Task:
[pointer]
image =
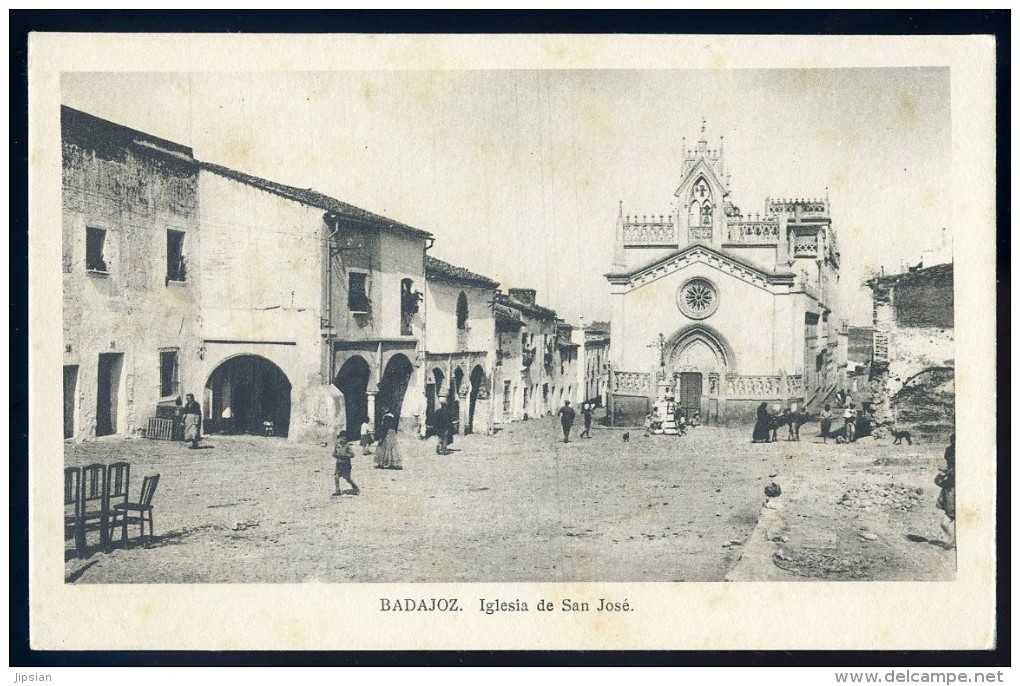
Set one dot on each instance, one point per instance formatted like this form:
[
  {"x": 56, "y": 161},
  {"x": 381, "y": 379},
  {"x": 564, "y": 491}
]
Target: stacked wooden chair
[{"x": 96, "y": 499}]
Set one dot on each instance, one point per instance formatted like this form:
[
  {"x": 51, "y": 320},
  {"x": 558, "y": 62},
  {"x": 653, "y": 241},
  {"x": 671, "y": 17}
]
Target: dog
[
  {"x": 900, "y": 436},
  {"x": 626, "y": 437}
]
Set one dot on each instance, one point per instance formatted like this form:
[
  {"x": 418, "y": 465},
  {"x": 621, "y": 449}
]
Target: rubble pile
[
  {"x": 881, "y": 497},
  {"x": 926, "y": 403},
  {"x": 823, "y": 563}
]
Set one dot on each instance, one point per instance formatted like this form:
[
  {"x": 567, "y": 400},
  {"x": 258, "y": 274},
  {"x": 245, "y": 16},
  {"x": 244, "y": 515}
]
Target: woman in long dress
[
  {"x": 762, "y": 425},
  {"x": 387, "y": 456}
]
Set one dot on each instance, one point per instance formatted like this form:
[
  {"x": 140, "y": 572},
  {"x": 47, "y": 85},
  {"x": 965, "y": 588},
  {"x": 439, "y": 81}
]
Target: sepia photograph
[{"x": 418, "y": 325}]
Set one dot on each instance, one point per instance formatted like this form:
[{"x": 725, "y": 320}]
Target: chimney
[{"x": 524, "y": 295}]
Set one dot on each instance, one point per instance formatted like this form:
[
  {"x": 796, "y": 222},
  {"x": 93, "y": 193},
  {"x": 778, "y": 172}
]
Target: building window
[
  {"x": 506, "y": 397},
  {"x": 175, "y": 266},
  {"x": 462, "y": 311},
  {"x": 408, "y": 307},
  {"x": 95, "y": 250},
  {"x": 169, "y": 374},
  {"x": 357, "y": 292}
]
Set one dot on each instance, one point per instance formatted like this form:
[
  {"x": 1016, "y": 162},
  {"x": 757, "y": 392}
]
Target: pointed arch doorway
[{"x": 699, "y": 357}]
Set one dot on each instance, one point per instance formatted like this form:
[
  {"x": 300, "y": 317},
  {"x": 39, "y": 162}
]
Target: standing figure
[
  {"x": 849, "y": 415},
  {"x": 388, "y": 454},
  {"x": 775, "y": 421},
  {"x": 946, "y": 480},
  {"x": 762, "y": 425},
  {"x": 566, "y": 415},
  {"x": 177, "y": 433},
  {"x": 191, "y": 414},
  {"x": 366, "y": 437},
  {"x": 826, "y": 420},
  {"x": 586, "y": 414},
  {"x": 442, "y": 422},
  {"x": 342, "y": 453}
]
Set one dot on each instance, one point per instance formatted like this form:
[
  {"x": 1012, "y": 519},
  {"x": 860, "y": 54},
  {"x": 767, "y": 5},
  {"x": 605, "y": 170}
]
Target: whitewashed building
[
  {"x": 460, "y": 345},
  {"x": 723, "y": 309}
]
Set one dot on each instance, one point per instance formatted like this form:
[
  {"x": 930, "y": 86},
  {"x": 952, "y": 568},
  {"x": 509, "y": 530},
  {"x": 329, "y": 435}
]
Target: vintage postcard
[{"x": 512, "y": 342}]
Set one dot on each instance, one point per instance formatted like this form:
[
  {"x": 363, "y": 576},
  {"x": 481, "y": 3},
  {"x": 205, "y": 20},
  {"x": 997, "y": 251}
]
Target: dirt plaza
[{"x": 521, "y": 505}]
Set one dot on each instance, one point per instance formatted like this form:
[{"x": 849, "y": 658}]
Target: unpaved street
[{"x": 516, "y": 506}]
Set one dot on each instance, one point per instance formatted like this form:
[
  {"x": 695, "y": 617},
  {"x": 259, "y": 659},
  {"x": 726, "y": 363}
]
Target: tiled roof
[
  {"x": 82, "y": 124},
  {"x": 504, "y": 315},
  {"x": 436, "y": 268},
  {"x": 76, "y": 124},
  {"x": 316, "y": 199},
  {"x": 533, "y": 310},
  {"x": 938, "y": 272}
]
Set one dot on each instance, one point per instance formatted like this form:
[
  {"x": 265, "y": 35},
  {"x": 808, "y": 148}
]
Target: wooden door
[
  {"x": 689, "y": 396},
  {"x": 70, "y": 398}
]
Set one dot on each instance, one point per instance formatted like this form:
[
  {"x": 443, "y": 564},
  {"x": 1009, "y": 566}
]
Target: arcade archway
[
  {"x": 352, "y": 380},
  {"x": 477, "y": 379},
  {"x": 246, "y": 392},
  {"x": 392, "y": 387}
]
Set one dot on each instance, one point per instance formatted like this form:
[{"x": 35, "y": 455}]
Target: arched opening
[
  {"x": 698, "y": 357},
  {"x": 392, "y": 387},
  {"x": 453, "y": 399},
  {"x": 408, "y": 307},
  {"x": 245, "y": 393},
  {"x": 462, "y": 311},
  {"x": 477, "y": 379},
  {"x": 352, "y": 380},
  {"x": 926, "y": 404}
]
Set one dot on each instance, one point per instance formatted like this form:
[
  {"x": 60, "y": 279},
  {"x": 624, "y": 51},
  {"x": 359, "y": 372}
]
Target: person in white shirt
[
  {"x": 849, "y": 417},
  {"x": 366, "y": 437}
]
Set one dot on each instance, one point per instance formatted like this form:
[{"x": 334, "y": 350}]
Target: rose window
[{"x": 697, "y": 298}]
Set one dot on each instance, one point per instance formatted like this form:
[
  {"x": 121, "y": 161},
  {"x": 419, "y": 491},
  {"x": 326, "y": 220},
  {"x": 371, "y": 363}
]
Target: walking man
[
  {"x": 849, "y": 423},
  {"x": 586, "y": 414},
  {"x": 566, "y": 415}
]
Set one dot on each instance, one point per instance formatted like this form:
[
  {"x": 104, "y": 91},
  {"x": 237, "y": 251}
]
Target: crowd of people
[{"x": 856, "y": 422}]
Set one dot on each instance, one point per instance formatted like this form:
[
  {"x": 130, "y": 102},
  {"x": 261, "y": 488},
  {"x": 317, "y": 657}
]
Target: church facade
[{"x": 721, "y": 310}]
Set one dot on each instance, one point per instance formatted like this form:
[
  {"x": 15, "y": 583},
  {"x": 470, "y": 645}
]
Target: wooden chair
[
  {"x": 92, "y": 511},
  {"x": 118, "y": 481},
  {"x": 72, "y": 508},
  {"x": 135, "y": 513}
]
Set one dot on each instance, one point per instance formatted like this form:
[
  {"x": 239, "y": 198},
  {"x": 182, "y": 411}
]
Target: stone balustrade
[
  {"x": 632, "y": 383},
  {"x": 760, "y": 231},
  {"x": 764, "y": 387},
  {"x": 649, "y": 230}
]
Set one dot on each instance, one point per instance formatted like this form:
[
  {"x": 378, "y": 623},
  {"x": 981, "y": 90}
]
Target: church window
[
  {"x": 706, "y": 215},
  {"x": 698, "y": 298}
]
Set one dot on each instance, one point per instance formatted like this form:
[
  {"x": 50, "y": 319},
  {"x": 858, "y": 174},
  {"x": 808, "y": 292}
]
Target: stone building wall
[
  {"x": 126, "y": 195},
  {"x": 913, "y": 341}
]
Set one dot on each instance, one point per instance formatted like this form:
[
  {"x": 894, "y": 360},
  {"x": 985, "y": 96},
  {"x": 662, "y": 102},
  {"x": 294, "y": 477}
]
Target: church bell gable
[
  {"x": 700, "y": 204},
  {"x": 702, "y": 194}
]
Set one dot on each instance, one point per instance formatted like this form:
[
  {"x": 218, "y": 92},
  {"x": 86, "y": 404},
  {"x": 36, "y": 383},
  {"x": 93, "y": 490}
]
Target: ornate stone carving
[
  {"x": 697, "y": 298},
  {"x": 701, "y": 233},
  {"x": 649, "y": 232},
  {"x": 805, "y": 246},
  {"x": 764, "y": 387},
  {"x": 632, "y": 383},
  {"x": 764, "y": 231}
]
